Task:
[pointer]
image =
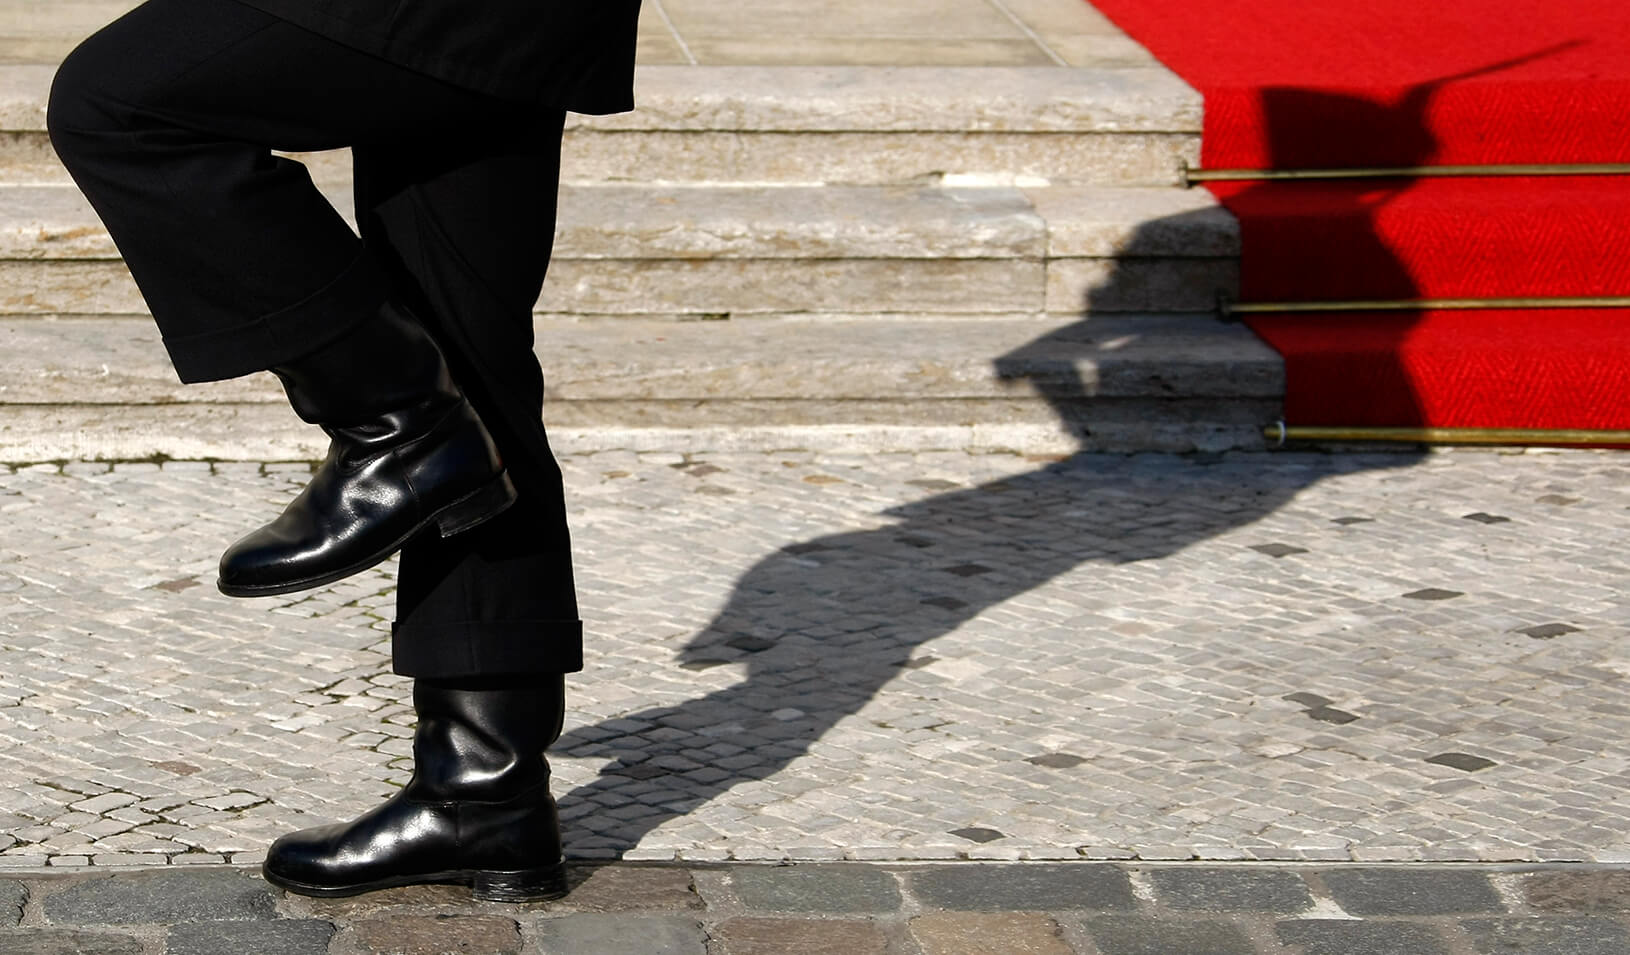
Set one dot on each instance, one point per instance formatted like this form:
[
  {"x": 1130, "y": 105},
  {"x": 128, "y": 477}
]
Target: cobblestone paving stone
[{"x": 879, "y": 657}]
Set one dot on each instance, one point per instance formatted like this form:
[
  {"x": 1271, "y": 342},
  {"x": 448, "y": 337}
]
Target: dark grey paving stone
[
  {"x": 1412, "y": 891},
  {"x": 1131, "y": 935},
  {"x": 1278, "y": 550},
  {"x": 1434, "y": 593},
  {"x": 1465, "y": 762},
  {"x": 817, "y": 888},
  {"x": 13, "y": 896},
  {"x": 1040, "y": 887},
  {"x": 621, "y": 935},
  {"x": 166, "y": 896},
  {"x": 1549, "y": 631},
  {"x": 280, "y": 937},
  {"x": 1231, "y": 890},
  {"x": 61, "y": 941},
  {"x": 1562, "y": 935},
  {"x": 1346, "y": 937}
]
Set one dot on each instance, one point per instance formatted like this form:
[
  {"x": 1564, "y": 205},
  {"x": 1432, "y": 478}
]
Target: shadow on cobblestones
[{"x": 823, "y": 625}]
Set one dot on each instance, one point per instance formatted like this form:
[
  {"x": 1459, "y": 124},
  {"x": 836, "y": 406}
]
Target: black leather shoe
[
  {"x": 476, "y": 812},
  {"x": 406, "y": 451}
]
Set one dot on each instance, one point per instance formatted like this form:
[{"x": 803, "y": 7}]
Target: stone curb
[{"x": 1063, "y": 908}]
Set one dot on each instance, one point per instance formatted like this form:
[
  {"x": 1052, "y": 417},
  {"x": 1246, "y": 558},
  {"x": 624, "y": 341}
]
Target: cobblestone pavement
[
  {"x": 880, "y": 657},
  {"x": 1080, "y": 908}
]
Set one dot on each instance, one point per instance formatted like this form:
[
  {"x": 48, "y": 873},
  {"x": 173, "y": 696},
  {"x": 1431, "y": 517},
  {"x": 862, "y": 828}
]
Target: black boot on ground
[
  {"x": 477, "y": 810},
  {"x": 406, "y": 450}
]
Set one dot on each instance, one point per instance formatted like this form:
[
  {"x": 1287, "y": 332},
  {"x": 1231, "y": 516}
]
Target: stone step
[
  {"x": 102, "y": 387},
  {"x": 662, "y": 250},
  {"x": 1120, "y": 125}
]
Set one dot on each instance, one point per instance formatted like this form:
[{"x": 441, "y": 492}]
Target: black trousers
[{"x": 167, "y": 120}]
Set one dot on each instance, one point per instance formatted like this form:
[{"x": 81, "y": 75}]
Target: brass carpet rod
[
  {"x": 1280, "y": 433},
  {"x": 1417, "y": 304},
  {"x": 1192, "y": 176}
]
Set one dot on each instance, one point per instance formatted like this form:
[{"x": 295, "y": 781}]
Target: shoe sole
[
  {"x": 468, "y": 512},
  {"x": 486, "y": 885}
]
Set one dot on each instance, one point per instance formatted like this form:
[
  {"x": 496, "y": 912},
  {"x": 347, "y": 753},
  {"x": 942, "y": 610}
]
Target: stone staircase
[{"x": 857, "y": 257}]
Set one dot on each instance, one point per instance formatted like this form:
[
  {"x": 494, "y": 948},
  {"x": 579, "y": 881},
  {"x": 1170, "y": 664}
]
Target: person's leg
[
  {"x": 465, "y": 225},
  {"x": 167, "y": 119},
  {"x": 487, "y": 621}
]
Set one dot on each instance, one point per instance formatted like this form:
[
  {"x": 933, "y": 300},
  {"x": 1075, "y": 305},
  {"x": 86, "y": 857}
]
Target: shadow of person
[
  {"x": 1324, "y": 241},
  {"x": 821, "y": 626},
  {"x": 1344, "y": 240}
]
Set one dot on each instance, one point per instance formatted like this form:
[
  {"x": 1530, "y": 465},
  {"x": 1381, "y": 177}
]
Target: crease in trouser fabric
[{"x": 466, "y": 233}]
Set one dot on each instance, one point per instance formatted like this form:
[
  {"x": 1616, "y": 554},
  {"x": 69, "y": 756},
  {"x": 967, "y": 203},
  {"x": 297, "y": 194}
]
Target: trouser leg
[
  {"x": 464, "y": 226},
  {"x": 167, "y": 118}
]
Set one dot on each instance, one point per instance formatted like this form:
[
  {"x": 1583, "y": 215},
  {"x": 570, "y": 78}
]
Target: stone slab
[
  {"x": 777, "y": 936},
  {"x": 1361, "y": 891},
  {"x": 623, "y": 889},
  {"x": 1577, "y": 892},
  {"x": 35, "y": 941},
  {"x": 13, "y": 897},
  {"x": 1075, "y": 286},
  {"x": 1102, "y": 222},
  {"x": 1004, "y": 158},
  {"x": 988, "y": 933},
  {"x": 1036, "y": 887},
  {"x": 653, "y": 222},
  {"x": 847, "y": 889},
  {"x": 279, "y": 937},
  {"x": 1332, "y": 937},
  {"x": 85, "y": 286},
  {"x": 103, "y": 387},
  {"x": 1200, "y": 889},
  {"x": 708, "y": 287},
  {"x": 408, "y": 933},
  {"x": 906, "y": 99},
  {"x": 882, "y": 222},
  {"x": 47, "y": 433},
  {"x": 619, "y": 935},
  {"x": 610, "y": 157},
  {"x": 163, "y": 895},
  {"x": 110, "y": 361},
  {"x": 1121, "y": 124},
  {"x": 750, "y": 250},
  {"x": 196, "y": 432},
  {"x": 748, "y": 222},
  {"x": 1130, "y": 935},
  {"x": 1580, "y": 935}
]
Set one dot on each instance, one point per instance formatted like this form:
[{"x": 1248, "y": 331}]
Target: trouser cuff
[
  {"x": 285, "y": 335},
  {"x": 487, "y": 648}
]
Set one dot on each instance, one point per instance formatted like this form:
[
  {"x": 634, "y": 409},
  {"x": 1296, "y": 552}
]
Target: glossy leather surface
[
  {"x": 405, "y": 446},
  {"x": 478, "y": 801}
]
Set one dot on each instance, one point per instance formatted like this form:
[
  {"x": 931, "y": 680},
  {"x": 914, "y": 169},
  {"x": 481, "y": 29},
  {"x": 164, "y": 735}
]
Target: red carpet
[{"x": 1290, "y": 84}]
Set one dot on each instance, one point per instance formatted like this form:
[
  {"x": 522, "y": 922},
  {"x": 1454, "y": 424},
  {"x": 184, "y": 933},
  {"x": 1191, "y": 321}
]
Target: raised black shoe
[{"x": 406, "y": 451}]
